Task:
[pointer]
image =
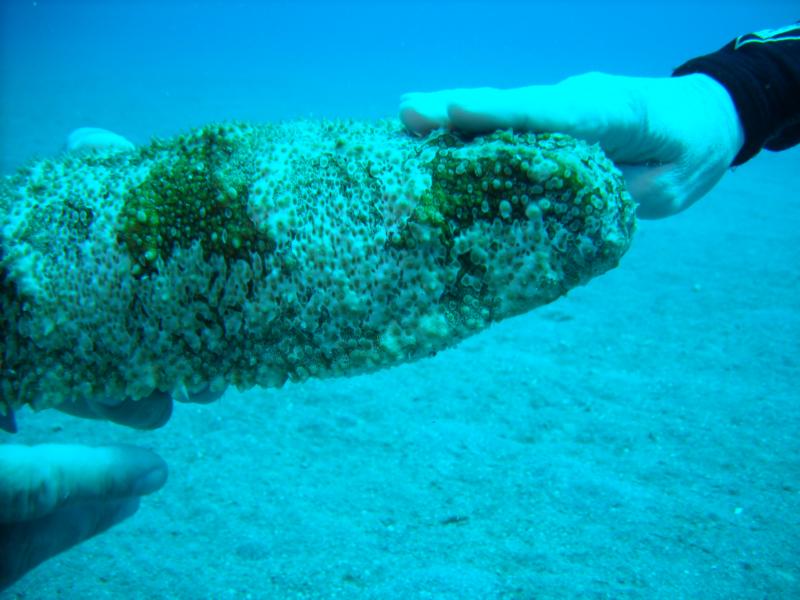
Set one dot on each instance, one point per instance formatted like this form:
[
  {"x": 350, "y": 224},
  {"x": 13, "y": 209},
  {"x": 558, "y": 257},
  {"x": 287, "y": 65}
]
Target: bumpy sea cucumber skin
[{"x": 249, "y": 255}]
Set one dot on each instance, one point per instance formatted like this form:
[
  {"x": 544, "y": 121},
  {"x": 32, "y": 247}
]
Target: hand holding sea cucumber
[{"x": 673, "y": 138}]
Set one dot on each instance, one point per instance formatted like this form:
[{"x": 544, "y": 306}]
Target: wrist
[{"x": 719, "y": 100}]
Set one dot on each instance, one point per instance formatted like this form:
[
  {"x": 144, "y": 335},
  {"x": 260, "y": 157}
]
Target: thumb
[
  {"x": 55, "y": 496},
  {"x": 36, "y": 480},
  {"x": 26, "y": 544}
]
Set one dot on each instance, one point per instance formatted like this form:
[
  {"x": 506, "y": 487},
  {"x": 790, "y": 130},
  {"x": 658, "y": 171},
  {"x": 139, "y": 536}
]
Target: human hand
[
  {"x": 55, "y": 496},
  {"x": 673, "y": 138}
]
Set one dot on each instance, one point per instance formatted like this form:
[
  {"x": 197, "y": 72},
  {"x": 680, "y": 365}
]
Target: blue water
[
  {"x": 154, "y": 68},
  {"x": 637, "y": 439}
]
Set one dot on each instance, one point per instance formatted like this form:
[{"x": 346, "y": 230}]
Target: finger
[
  {"x": 422, "y": 112},
  {"x": 485, "y": 110},
  {"x": 8, "y": 421},
  {"x": 562, "y": 108},
  {"x": 207, "y": 396},
  {"x": 26, "y": 544},
  {"x": 37, "y": 480},
  {"x": 210, "y": 393},
  {"x": 147, "y": 413},
  {"x": 539, "y": 108},
  {"x": 593, "y": 107},
  {"x": 151, "y": 412}
]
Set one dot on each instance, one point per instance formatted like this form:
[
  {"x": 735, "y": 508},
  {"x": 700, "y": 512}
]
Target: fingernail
[{"x": 151, "y": 481}]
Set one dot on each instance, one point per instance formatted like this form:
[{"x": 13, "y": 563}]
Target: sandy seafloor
[{"x": 639, "y": 438}]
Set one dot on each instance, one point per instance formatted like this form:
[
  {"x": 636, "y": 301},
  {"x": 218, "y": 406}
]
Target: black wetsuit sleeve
[{"x": 761, "y": 72}]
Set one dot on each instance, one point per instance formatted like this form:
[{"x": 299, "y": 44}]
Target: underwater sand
[{"x": 636, "y": 439}]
